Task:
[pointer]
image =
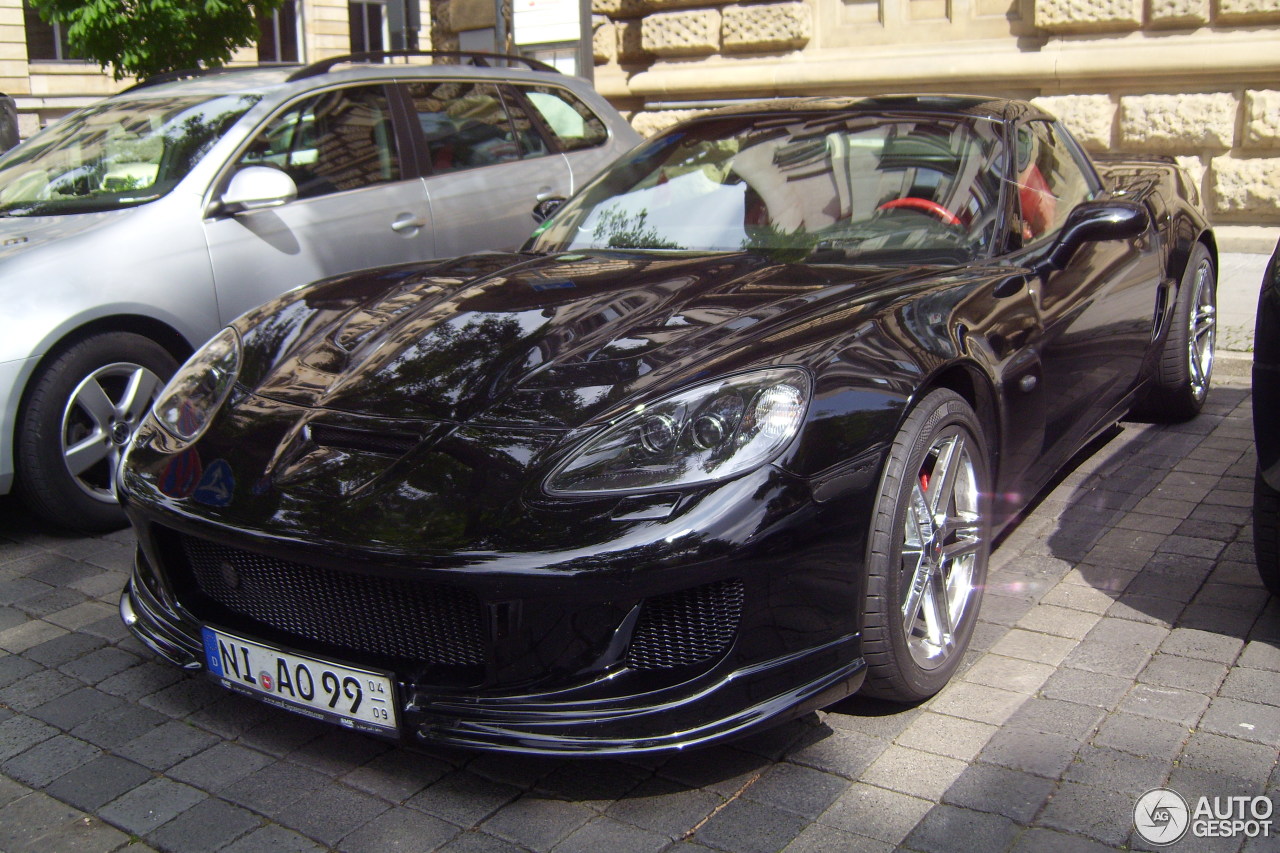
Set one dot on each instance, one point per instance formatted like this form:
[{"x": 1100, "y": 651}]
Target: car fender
[{"x": 1266, "y": 374}]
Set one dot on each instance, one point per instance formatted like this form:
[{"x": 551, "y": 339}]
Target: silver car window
[
  {"x": 338, "y": 140},
  {"x": 464, "y": 124},
  {"x": 572, "y": 121}
]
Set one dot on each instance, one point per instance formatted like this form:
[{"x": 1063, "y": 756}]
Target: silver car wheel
[
  {"x": 99, "y": 421},
  {"x": 1202, "y": 330},
  {"x": 941, "y": 542}
]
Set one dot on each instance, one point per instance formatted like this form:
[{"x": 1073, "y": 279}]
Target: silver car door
[
  {"x": 358, "y": 203},
  {"x": 490, "y": 165}
]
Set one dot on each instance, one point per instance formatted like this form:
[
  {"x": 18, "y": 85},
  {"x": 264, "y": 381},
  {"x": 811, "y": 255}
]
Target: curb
[{"x": 1233, "y": 365}]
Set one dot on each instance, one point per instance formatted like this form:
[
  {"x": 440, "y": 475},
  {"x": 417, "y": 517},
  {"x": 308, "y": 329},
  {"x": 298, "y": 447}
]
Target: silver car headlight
[
  {"x": 187, "y": 404},
  {"x": 707, "y": 433}
]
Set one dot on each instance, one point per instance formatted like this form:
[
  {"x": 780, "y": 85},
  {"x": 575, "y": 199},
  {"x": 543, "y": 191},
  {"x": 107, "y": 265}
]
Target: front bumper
[
  {"x": 721, "y": 705},
  {"x": 764, "y": 676}
]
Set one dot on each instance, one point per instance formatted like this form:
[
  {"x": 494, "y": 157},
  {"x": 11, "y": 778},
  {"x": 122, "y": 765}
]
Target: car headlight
[
  {"x": 707, "y": 433},
  {"x": 187, "y": 404}
]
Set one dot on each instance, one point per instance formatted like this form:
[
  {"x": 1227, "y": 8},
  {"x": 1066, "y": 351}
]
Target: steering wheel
[{"x": 923, "y": 205}]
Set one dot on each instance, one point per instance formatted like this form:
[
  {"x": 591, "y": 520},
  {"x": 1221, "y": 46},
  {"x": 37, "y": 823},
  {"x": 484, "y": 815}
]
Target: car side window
[
  {"x": 464, "y": 124},
  {"x": 337, "y": 140},
  {"x": 1050, "y": 182},
  {"x": 531, "y": 141},
  {"x": 572, "y": 121}
]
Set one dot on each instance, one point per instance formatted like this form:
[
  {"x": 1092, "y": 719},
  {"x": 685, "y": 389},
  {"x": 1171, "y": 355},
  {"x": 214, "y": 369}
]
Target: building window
[
  {"x": 44, "y": 41},
  {"x": 278, "y": 34},
  {"x": 368, "y": 26}
]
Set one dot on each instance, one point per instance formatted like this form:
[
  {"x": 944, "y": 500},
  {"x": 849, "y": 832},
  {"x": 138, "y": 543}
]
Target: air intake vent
[
  {"x": 422, "y": 622},
  {"x": 367, "y": 441},
  {"x": 686, "y": 627}
]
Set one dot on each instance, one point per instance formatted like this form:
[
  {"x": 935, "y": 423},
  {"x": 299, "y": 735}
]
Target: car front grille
[
  {"x": 424, "y": 622},
  {"x": 686, "y": 627}
]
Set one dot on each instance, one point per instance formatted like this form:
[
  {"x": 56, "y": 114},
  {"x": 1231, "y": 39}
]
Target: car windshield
[
  {"x": 114, "y": 154},
  {"x": 882, "y": 189}
]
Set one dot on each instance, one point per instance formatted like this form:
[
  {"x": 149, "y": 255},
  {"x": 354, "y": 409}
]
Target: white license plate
[{"x": 358, "y": 699}]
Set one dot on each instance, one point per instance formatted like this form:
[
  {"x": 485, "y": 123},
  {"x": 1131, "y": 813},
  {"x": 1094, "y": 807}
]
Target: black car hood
[{"x": 523, "y": 340}]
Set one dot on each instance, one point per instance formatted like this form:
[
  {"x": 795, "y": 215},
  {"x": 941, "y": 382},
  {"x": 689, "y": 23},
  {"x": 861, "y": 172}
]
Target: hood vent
[{"x": 364, "y": 441}]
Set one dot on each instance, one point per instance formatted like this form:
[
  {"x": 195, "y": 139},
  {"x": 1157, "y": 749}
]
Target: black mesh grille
[
  {"x": 686, "y": 627},
  {"x": 430, "y": 623}
]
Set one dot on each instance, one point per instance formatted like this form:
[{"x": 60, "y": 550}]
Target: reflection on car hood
[
  {"x": 20, "y": 234},
  {"x": 532, "y": 340}
]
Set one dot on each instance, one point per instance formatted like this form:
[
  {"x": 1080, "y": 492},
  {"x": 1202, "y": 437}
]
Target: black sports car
[
  {"x": 1266, "y": 414},
  {"x": 727, "y": 441}
]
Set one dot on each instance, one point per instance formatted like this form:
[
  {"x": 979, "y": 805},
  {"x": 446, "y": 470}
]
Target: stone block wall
[
  {"x": 1091, "y": 16},
  {"x": 1088, "y": 15},
  {"x": 1228, "y": 141},
  {"x": 775, "y": 26},
  {"x": 645, "y": 29},
  {"x": 692, "y": 33}
]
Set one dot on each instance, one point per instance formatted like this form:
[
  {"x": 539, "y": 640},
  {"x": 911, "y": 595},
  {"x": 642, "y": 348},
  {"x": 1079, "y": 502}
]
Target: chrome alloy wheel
[
  {"x": 1202, "y": 332},
  {"x": 941, "y": 542},
  {"x": 99, "y": 421}
]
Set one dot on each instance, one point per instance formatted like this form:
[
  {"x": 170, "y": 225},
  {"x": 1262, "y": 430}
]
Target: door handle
[{"x": 408, "y": 222}]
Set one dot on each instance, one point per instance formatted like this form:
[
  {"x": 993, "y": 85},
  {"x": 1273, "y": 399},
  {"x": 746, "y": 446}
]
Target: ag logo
[{"x": 1161, "y": 816}]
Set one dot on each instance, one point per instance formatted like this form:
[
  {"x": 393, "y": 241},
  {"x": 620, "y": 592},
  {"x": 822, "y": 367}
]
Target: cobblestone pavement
[{"x": 1125, "y": 643}]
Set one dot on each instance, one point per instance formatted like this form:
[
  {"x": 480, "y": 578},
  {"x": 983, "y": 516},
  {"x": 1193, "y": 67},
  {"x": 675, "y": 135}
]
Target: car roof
[
  {"x": 998, "y": 109},
  {"x": 262, "y": 79}
]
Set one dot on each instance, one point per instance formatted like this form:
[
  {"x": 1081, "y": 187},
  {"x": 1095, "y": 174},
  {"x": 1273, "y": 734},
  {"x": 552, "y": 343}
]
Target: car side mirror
[
  {"x": 543, "y": 209},
  {"x": 257, "y": 188},
  {"x": 1095, "y": 221}
]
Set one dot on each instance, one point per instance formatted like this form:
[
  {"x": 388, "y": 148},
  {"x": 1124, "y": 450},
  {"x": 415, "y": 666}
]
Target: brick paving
[{"x": 1125, "y": 643}]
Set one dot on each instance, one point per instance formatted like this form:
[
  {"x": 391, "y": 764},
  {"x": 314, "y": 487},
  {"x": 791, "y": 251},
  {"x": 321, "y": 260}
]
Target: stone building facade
[
  {"x": 46, "y": 88},
  {"x": 1195, "y": 79}
]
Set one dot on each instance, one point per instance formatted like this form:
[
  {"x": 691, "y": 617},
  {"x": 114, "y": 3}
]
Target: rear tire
[
  {"x": 927, "y": 552},
  {"x": 1185, "y": 370},
  {"x": 1266, "y": 533},
  {"x": 80, "y": 413}
]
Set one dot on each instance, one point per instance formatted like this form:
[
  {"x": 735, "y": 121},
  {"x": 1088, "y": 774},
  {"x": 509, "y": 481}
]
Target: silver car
[{"x": 134, "y": 229}]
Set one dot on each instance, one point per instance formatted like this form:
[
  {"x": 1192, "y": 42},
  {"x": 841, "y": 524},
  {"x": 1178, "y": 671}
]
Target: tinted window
[
  {"x": 464, "y": 124},
  {"x": 339, "y": 140},
  {"x": 572, "y": 121},
  {"x": 44, "y": 40},
  {"x": 1050, "y": 181},
  {"x": 278, "y": 33},
  {"x": 364, "y": 22}
]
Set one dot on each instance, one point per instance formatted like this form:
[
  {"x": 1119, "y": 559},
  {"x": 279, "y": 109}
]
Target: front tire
[
  {"x": 80, "y": 414},
  {"x": 928, "y": 550},
  {"x": 1266, "y": 533}
]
